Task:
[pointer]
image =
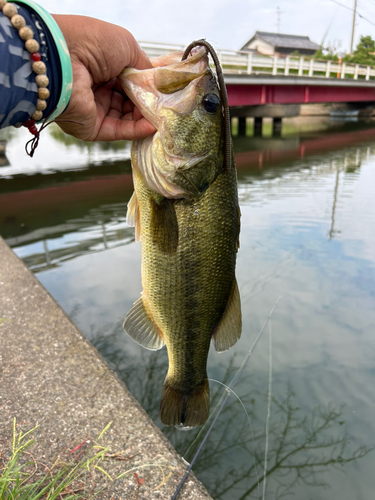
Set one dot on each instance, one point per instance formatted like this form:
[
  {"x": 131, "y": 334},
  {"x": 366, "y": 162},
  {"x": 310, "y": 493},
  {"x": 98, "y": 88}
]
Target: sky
[{"x": 228, "y": 24}]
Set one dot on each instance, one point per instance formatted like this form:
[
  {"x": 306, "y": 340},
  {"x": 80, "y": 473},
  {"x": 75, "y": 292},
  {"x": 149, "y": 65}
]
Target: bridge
[{"x": 271, "y": 86}]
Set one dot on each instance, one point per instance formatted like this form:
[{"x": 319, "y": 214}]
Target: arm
[{"x": 98, "y": 53}]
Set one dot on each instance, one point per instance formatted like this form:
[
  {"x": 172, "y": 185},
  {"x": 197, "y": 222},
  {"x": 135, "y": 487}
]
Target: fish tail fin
[{"x": 184, "y": 407}]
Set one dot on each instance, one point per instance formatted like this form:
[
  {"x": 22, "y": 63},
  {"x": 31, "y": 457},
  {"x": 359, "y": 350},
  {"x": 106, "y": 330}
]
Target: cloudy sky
[{"x": 228, "y": 23}]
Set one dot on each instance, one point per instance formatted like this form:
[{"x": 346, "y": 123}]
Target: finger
[
  {"x": 111, "y": 103},
  {"x": 115, "y": 129},
  {"x": 107, "y": 98},
  {"x": 137, "y": 115},
  {"x": 143, "y": 62},
  {"x": 166, "y": 60},
  {"x": 128, "y": 106}
]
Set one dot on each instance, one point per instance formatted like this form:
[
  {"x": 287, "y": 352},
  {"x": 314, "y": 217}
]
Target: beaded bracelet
[
  {"x": 38, "y": 66},
  {"x": 63, "y": 53}
]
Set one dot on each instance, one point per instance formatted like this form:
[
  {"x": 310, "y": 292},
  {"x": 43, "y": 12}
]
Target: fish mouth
[{"x": 152, "y": 89}]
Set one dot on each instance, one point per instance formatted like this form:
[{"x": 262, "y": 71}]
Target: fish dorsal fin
[
  {"x": 133, "y": 216},
  {"x": 229, "y": 329},
  {"x": 164, "y": 224},
  {"x": 140, "y": 327}
]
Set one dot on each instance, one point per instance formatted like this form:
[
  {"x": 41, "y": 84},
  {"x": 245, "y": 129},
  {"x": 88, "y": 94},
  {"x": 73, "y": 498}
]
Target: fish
[{"x": 186, "y": 215}]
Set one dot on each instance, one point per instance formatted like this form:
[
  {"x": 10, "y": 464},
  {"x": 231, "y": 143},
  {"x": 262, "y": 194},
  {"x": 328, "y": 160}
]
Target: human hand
[{"x": 99, "y": 51}]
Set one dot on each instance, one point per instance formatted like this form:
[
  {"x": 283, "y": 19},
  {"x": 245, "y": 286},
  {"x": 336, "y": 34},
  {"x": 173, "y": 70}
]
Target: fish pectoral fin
[
  {"x": 164, "y": 224},
  {"x": 229, "y": 329},
  {"x": 140, "y": 327},
  {"x": 133, "y": 216}
]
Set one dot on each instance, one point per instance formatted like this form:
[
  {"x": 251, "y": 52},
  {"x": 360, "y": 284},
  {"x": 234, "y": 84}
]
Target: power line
[
  {"x": 365, "y": 9},
  {"x": 349, "y": 8}
]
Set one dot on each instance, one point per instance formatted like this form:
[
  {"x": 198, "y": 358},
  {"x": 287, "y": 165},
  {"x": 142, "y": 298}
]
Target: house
[{"x": 280, "y": 44}]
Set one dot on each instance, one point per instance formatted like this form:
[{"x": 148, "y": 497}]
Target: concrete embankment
[{"x": 51, "y": 375}]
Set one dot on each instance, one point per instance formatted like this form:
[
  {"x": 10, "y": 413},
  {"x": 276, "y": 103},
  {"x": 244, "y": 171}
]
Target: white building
[{"x": 279, "y": 43}]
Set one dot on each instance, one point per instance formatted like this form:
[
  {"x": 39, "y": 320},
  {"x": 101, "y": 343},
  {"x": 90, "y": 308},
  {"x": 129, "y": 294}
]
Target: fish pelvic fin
[
  {"x": 183, "y": 407},
  {"x": 229, "y": 329},
  {"x": 164, "y": 224},
  {"x": 140, "y": 327},
  {"x": 133, "y": 216}
]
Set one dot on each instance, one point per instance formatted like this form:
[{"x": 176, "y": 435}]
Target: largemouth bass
[{"x": 186, "y": 214}]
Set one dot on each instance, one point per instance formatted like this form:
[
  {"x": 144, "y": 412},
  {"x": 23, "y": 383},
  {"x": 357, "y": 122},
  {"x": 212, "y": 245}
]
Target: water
[{"x": 307, "y": 236}]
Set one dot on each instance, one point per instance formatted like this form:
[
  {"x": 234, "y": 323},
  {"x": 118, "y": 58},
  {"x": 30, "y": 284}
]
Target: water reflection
[
  {"x": 302, "y": 444},
  {"x": 69, "y": 140},
  {"x": 307, "y": 234},
  {"x": 101, "y": 226},
  {"x": 91, "y": 240},
  {"x": 56, "y": 152}
]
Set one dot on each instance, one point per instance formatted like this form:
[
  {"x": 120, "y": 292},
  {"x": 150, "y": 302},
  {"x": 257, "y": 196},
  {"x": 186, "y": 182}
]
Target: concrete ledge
[{"x": 51, "y": 375}]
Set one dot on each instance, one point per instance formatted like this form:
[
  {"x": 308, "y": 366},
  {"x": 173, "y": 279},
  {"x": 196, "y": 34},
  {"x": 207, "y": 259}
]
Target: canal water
[{"x": 302, "y": 420}]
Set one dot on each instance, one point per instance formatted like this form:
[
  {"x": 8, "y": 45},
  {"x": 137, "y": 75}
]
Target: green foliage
[
  {"x": 364, "y": 52},
  {"x": 19, "y": 482},
  {"x": 21, "y": 479},
  {"x": 329, "y": 56}
]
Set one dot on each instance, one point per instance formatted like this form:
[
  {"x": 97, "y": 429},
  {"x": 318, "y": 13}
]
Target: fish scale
[{"x": 189, "y": 245}]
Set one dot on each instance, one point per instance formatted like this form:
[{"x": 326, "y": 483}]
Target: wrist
[{"x": 63, "y": 68}]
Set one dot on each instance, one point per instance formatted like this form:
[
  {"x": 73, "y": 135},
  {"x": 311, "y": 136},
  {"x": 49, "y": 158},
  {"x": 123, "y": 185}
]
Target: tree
[
  {"x": 364, "y": 52},
  {"x": 329, "y": 56}
]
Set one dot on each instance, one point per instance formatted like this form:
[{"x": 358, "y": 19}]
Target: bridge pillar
[
  {"x": 242, "y": 125},
  {"x": 258, "y": 123},
  {"x": 276, "y": 127}
]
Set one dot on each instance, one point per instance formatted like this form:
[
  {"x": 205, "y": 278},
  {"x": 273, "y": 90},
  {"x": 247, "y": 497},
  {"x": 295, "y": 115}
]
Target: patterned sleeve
[{"x": 18, "y": 90}]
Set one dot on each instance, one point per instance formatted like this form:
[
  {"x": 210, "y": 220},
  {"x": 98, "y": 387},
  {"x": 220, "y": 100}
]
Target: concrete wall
[
  {"x": 51, "y": 375},
  {"x": 266, "y": 111}
]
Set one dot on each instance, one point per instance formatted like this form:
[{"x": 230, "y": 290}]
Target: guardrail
[{"x": 250, "y": 63}]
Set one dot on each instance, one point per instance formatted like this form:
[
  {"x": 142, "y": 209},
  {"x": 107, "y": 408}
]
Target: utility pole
[{"x": 354, "y": 14}]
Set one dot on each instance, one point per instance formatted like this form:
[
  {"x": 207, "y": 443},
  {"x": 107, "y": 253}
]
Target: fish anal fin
[
  {"x": 229, "y": 329},
  {"x": 164, "y": 224},
  {"x": 140, "y": 327},
  {"x": 133, "y": 216}
]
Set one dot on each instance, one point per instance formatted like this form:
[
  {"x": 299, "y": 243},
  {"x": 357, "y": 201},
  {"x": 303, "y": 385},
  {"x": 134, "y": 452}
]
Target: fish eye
[{"x": 211, "y": 103}]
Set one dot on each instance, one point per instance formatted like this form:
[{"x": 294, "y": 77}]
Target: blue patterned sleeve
[{"x": 18, "y": 90}]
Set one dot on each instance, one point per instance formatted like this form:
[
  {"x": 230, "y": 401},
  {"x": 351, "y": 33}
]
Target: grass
[{"x": 22, "y": 477}]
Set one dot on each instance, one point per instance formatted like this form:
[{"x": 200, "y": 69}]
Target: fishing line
[
  {"x": 234, "y": 381},
  {"x": 268, "y": 408},
  {"x": 204, "y": 427},
  {"x": 200, "y": 447},
  {"x": 223, "y": 95},
  {"x": 237, "y": 396},
  {"x": 251, "y": 427},
  {"x": 232, "y": 384}
]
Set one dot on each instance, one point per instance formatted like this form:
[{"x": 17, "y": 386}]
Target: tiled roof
[{"x": 295, "y": 42}]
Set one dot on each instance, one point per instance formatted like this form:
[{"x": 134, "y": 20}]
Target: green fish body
[{"x": 189, "y": 241}]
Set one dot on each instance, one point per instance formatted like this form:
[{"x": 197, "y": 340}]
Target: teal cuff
[{"x": 63, "y": 51}]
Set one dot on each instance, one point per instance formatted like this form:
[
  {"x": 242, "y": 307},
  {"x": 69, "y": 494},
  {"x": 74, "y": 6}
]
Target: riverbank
[{"x": 52, "y": 376}]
